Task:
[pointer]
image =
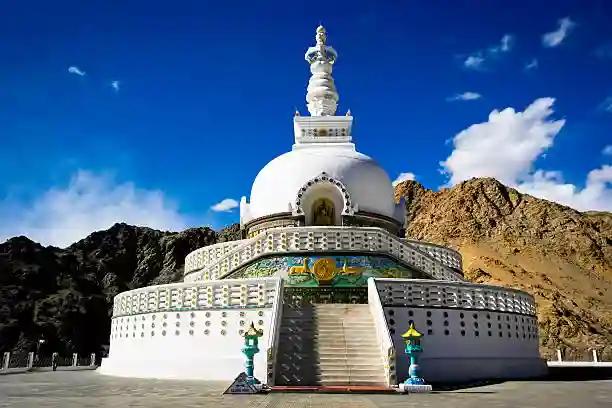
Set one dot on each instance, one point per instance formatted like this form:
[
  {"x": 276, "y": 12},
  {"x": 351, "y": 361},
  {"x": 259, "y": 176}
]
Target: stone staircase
[{"x": 328, "y": 344}]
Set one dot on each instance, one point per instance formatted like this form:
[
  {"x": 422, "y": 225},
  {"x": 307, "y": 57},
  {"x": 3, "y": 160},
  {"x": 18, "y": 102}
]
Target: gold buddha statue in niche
[{"x": 323, "y": 212}]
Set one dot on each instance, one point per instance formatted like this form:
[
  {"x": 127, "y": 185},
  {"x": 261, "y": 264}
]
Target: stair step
[
  {"x": 329, "y": 344},
  {"x": 354, "y": 355},
  {"x": 350, "y": 378},
  {"x": 348, "y": 348}
]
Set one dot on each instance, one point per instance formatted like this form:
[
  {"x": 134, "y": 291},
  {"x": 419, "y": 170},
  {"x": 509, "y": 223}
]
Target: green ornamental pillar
[{"x": 251, "y": 340}]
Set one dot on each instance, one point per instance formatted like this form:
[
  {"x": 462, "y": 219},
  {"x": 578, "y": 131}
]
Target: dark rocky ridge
[{"x": 65, "y": 295}]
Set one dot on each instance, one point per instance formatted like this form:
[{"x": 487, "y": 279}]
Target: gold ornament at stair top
[
  {"x": 350, "y": 270},
  {"x": 324, "y": 269},
  {"x": 298, "y": 270}
]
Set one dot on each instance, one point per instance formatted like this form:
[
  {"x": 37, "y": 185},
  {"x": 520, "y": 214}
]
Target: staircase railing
[
  {"x": 276, "y": 320},
  {"x": 385, "y": 343}
]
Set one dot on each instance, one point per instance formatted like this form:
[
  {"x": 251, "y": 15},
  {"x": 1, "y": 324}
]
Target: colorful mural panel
[{"x": 327, "y": 270}]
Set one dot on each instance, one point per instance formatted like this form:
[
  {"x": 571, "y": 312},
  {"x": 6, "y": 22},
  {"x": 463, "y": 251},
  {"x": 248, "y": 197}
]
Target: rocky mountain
[
  {"x": 561, "y": 256},
  {"x": 65, "y": 295}
]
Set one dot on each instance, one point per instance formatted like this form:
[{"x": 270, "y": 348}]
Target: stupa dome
[{"x": 278, "y": 184}]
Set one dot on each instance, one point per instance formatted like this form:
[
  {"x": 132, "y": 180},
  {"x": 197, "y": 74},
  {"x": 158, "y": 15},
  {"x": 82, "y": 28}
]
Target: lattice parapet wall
[
  {"x": 470, "y": 331},
  {"x": 424, "y": 293},
  {"x": 226, "y": 294},
  {"x": 324, "y": 239},
  {"x": 202, "y": 257},
  {"x": 447, "y": 256}
]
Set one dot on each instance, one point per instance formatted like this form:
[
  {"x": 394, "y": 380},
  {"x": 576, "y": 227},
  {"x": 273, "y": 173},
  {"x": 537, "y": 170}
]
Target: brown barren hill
[{"x": 561, "y": 256}]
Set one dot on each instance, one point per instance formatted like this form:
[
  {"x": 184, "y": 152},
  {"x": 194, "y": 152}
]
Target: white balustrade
[
  {"x": 322, "y": 239},
  {"x": 385, "y": 343},
  {"x": 447, "y": 256},
  {"x": 208, "y": 254},
  {"x": 442, "y": 294},
  {"x": 228, "y": 294}
]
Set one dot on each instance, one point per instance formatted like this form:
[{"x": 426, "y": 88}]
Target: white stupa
[{"x": 324, "y": 270}]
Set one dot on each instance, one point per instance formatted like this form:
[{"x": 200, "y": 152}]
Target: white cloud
[
  {"x": 555, "y": 38},
  {"x": 533, "y": 64},
  {"x": 477, "y": 60},
  {"x": 474, "y": 62},
  {"x": 506, "y": 147},
  {"x": 596, "y": 194},
  {"x": 90, "y": 202},
  {"x": 115, "y": 85},
  {"x": 76, "y": 70},
  {"x": 403, "y": 177},
  {"x": 607, "y": 150},
  {"x": 465, "y": 96},
  {"x": 225, "y": 205}
]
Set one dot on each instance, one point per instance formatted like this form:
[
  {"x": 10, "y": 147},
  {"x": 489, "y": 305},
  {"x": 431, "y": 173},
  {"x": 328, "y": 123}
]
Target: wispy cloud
[
  {"x": 604, "y": 51},
  {"x": 225, "y": 205},
  {"x": 465, "y": 96},
  {"x": 403, "y": 177},
  {"x": 533, "y": 64},
  {"x": 555, "y": 38},
  {"x": 606, "y": 105},
  {"x": 115, "y": 85},
  {"x": 476, "y": 60},
  {"x": 76, "y": 70},
  {"x": 504, "y": 45},
  {"x": 90, "y": 202},
  {"x": 607, "y": 150}
]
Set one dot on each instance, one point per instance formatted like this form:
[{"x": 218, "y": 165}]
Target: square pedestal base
[{"x": 408, "y": 388}]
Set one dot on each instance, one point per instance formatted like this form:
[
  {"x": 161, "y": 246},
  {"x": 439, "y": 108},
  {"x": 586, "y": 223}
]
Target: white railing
[
  {"x": 442, "y": 294},
  {"x": 225, "y": 294},
  {"x": 203, "y": 257},
  {"x": 324, "y": 239},
  {"x": 447, "y": 256},
  {"x": 385, "y": 343},
  {"x": 275, "y": 322}
]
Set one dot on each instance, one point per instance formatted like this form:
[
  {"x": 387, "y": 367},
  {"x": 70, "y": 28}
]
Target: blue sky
[{"x": 171, "y": 107}]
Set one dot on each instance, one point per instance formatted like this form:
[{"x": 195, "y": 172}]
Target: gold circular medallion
[{"x": 324, "y": 269}]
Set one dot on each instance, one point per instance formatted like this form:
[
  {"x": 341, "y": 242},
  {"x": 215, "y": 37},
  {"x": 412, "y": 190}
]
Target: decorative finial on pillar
[{"x": 322, "y": 96}]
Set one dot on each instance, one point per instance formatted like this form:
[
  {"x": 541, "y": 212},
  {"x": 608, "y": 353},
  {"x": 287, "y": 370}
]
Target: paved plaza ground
[{"x": 91, "y": 389}]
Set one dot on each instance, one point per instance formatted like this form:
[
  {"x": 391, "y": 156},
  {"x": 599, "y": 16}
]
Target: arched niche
[{"x": 327, "y": 191}]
